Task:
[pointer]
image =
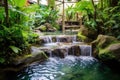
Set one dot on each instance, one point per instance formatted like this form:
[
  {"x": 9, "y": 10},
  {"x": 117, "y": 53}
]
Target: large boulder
[
  {"x": 107, "y": 49},
  {"x": 102, "y": 42},
  {"x": 111, "y": 52},
  {"x": 59, "y": 52},
  {"x": 28, "y": 59},
  {"x": 74, "y": 50},
  {"x": 20, "y": 62}
]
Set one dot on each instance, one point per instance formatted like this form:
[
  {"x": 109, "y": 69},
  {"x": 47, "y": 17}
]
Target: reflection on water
[{"x": 69, "y": 68}]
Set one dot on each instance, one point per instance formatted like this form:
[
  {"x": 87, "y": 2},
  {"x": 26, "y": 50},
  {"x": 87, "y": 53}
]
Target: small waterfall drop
[
  {"x": 69, "y": 45},
  {"x": 66, "y": 53},
  {"x": 48, "y": 39},
  {"x": 50, "y": 53},
  {"x": 74, "y": 38},
  {"x": 86, "y": 50},
  {"x": 57, "y": 39}
]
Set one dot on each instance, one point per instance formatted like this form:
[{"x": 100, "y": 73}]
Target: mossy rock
[
  {"x": 107, "y": 49},
  {"x": 86, "y": 34},
  {"x": 110, "y": 53},
  {"x": 102, "y": 42},
  {"x": 42, "y": 28},
  {"x": 81, "y": 37},
  {"x": 18, "y": 63}
]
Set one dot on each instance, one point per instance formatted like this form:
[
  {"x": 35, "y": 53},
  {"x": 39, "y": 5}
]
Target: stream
[{"x": 69, "y": 67}]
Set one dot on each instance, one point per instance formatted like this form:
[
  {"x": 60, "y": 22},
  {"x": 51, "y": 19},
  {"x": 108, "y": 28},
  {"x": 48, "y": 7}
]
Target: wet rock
[
  {"x": 36, "y": 55},
  {"x": 74, "y": 50},
  {"x": 64, "y": 39},
  {"x": 18, "y": 63},
  {"x": 60, "y": 38},
  {"x": 60, "y": 52}
]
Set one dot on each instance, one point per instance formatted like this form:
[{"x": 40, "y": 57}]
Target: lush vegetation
[
  {"x": 15, "y": 33},
  {"x": 104, "y": 17},
  {"x": 108, "y": 18},
  {"x": 18, "y": 19},
  {"x": 46, "y": 14}
]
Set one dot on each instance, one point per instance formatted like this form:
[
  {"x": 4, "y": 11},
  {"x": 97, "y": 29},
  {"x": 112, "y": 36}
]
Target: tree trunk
[
  {"x": 94, "y": 10},
  {"x": 38, "y": 1},
  {"x": 6, "y": 13}
]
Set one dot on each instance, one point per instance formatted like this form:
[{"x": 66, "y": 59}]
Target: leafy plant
[
  {"x": 46, "y": 15},
  {"x": 70, "y": 13},
  {"x": 86, "y": 8},
  {"x": 16, "y": 38}
]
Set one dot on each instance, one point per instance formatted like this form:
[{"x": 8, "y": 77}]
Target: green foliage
[
  {"x": 107, "y": 16},
  {"x": 86, "y": 8},
  {"x": 2, "y": 60},
  {"x": 2, "y": 12},
  {"x": 46, "y": 15},
  {"x": 15, "y": 49},
  {"x": 91, "y": 24},
  {"x": 108, "y": 19},
  {"x": 16, "y": 38},
  {"x": 17, "y": 3},
  {"x": 11, "y": 41},
  {"x": 70, "y": 13}
]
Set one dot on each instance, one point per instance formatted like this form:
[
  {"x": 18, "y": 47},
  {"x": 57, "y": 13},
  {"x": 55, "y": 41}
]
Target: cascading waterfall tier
[
  {"x": 60, "y": 38},
  {"x": 64, "y": 45},
  {"x": 67, "y": 67}
]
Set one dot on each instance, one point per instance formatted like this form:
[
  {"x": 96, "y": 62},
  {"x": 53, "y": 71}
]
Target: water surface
[{"x": 69, "y": 68}]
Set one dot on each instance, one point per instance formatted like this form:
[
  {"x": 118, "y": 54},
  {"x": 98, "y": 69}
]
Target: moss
[
  {"x": 104, "y": 41},
  {"x": 43, "y": 28},
  {"x": 105, "y": 54},
  {"x": 81, "y": 37}
]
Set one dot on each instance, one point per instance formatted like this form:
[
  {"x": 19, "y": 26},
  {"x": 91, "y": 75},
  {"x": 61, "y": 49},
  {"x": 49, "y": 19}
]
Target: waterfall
[
  {"x": 66, "y": 53},
  {"x": 86, "y": 50},
  {"x": 65, "y": 45},
  {"x": 74, "y": 38},
  {"x": 50, "y": 53},
  {"x": 57, "y": 39},
  {"x": 48, "y": 39}
]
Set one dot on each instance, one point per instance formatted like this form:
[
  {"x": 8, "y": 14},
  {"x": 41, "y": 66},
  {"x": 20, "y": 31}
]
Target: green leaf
[
  {"x": 2, "y": 60},
  {"x": 15, "y": 49},
  {"x": 18, "y": 3}
]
